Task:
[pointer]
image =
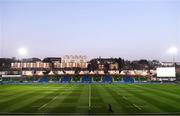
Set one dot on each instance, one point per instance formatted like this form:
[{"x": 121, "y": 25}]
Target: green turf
[{"x": 76, "y": 98}]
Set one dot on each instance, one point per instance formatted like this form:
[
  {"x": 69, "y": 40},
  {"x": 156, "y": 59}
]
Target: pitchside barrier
[{"x": 70, "y": 79}]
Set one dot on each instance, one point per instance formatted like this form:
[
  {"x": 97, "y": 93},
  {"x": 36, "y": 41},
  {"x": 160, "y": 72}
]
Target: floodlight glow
[
  {"x": 22, "y": 51},
  {"x": 173, "y": 50}
]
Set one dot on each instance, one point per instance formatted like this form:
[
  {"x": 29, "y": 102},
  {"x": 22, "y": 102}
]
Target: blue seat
[
  {"x": 128, "y": 79},
  {"x": 107, "y": 79},
  {"x": 65, "y": 79},
  {"x": 86, "y": 79},
  {"x": 44, "y": 79}
]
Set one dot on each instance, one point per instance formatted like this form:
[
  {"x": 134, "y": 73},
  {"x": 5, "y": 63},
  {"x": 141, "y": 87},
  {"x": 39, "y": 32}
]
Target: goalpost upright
[{"x": 89, "y": 96}]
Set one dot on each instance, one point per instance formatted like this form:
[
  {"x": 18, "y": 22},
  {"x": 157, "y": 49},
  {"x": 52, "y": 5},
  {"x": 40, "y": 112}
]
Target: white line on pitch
[
  {"x": 137, "y": 106},
  {"x": 89, "y": 96},
  {"x": 125, "y": 97},
  {"x": 54, "y": 98},
  {"x": 47, "y": 102},
  {"x": 42, "y": 106}
]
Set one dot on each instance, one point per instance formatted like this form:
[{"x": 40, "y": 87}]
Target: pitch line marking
[
  {"x": 42, "y": 106},
  {"x": 89, "y": 97},
  {"x": 47, "y": 102},
  {"x": 138, "y": 107},
  {"x": 54, "y": 98},
  {"x": 124, "y": 97}
]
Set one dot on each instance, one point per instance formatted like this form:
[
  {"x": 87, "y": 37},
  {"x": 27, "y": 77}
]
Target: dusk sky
[{"x": 131, "y": 29}]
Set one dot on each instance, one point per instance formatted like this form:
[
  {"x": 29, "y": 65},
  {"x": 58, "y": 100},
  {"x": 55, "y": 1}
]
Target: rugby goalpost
[{"x": 89, "y": 97}]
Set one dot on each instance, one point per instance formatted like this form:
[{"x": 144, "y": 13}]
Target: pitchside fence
[{"x": 70, "y": 79}]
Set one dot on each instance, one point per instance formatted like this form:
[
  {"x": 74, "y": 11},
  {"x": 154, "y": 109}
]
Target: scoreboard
[{"x": 166, "y": 72}]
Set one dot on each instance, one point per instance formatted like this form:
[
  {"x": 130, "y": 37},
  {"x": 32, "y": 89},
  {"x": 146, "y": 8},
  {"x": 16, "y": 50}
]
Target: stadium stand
[
  {"x": 117, "y": 79},
  {"x": 107, "y": 79},
  {"x": 44, "y": 79},
  {"x": 65, "y": 79},
  {"x": 96, "y": 79},
  {"x": 128, "y": 79},
  {"x": 76, "y": 79},
  {"x": 54, "y": 78},
  {"x": 86, "y": 79}
]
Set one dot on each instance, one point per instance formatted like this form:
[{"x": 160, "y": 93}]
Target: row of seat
[{"x": 87, "y": 79}]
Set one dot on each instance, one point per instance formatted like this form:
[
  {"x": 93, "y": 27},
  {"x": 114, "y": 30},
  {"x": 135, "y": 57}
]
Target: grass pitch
[{"x": 90, "y": 99}]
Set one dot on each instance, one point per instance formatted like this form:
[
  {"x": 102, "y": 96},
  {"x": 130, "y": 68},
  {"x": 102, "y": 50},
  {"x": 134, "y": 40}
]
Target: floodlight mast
[{"x": 173, "y": 51}]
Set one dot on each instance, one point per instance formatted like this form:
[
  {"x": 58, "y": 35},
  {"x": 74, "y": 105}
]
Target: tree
[
  {"x": 121, "y": 63},
  {"x": 77, "y": 70},
  {"x": 89, "y": 67},
  {"x": 143, "y": 61},
  {"x": 106, "y": 68},
  {"x": 93, "y": 64}
]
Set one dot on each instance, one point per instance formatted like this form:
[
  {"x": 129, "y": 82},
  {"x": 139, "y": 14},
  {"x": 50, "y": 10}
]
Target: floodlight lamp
[
  {"x": 22, "y": 51},
  {"x": 173, "y": 50}
]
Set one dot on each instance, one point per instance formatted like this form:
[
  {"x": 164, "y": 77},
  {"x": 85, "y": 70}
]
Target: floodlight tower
[
  {"x": 173, "y": 51},
  {"x": 22, "y": 53}
]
